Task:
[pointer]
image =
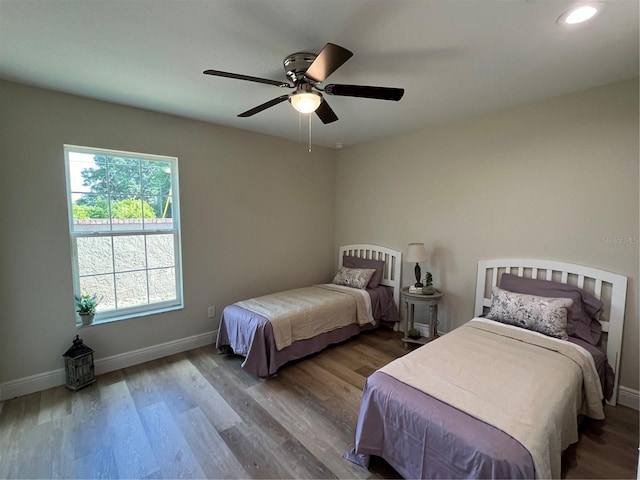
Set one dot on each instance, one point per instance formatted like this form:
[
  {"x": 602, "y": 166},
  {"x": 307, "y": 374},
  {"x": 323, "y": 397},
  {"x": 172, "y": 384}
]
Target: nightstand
[{"x": 409, "y": 300}]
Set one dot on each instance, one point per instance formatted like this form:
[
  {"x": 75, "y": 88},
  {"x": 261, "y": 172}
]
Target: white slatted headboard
[
  {"x": 392, "y": 263},
  {"x": 608, "y": 287}
]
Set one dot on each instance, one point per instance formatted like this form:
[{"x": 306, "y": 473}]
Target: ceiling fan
[{"x": 306, "y": 71}]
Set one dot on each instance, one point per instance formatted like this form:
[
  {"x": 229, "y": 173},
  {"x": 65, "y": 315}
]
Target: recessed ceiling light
[{"x": 579, "y": 14}]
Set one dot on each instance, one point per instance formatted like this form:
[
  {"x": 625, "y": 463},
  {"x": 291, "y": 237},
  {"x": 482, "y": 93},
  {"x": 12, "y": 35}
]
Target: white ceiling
[{"x": 454, "y": 58}]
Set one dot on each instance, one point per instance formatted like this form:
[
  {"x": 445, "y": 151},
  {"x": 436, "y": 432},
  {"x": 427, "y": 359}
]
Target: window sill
[{"x": 98, "y": 321}]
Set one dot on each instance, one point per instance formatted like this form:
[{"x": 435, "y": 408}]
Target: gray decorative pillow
[
  {"x": 353, "y": 277},
  {"x": 582, "y": 316},
  {"x": 355, "y": 262},
  {"x": 541, "y": 314}
]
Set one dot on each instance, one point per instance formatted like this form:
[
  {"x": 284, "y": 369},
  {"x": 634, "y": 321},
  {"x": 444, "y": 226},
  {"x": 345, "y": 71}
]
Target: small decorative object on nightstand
[
  {"x": 428, "y": 288},
  {"x": 414, "y": 334},
  {"x": 409, "y": 300}
]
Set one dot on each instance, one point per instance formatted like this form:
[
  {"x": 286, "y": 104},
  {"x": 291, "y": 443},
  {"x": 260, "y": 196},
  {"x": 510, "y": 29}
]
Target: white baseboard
[
  {"x": 54, "y": 378},
  {"x": 629, "y": 397},
  {"x": 423, "y": 328}
]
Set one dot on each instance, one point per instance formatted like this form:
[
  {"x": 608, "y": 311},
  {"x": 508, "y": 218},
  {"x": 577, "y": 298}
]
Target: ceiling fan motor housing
[{"x": 296, "y": 65}]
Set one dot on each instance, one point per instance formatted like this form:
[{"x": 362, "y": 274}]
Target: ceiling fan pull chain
[
  {"x": 299, "y": 128},
  {"x": 309, "y": 132}
]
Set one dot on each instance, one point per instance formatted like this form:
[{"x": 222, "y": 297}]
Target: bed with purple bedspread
[
  {"x": 499, "y": 399},
  {"x": 250, "y": 334},
  {"x": 422, "y": 436}
]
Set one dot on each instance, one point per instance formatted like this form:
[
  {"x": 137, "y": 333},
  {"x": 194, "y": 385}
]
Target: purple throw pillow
[
  {"x": 582, "y": 316},
  {"x": 355, "y": 262}
]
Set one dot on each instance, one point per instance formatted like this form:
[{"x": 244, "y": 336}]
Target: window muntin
[{"x": 124, "y": 227}]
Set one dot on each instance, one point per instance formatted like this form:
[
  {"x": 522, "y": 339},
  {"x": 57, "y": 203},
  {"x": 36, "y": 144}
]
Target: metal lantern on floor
[{"x": 78, "y": 364}]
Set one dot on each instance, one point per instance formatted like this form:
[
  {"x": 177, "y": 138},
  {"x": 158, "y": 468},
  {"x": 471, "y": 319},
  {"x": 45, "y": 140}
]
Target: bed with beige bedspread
[{"x": 538, "y": 407}]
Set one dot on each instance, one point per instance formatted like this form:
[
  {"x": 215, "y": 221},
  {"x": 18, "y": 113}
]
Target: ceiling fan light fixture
[{"x": 305, "y": 102}]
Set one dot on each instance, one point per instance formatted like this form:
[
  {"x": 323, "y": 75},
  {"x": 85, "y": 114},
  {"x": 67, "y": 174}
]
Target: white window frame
[{"x": 138, "y": 310}]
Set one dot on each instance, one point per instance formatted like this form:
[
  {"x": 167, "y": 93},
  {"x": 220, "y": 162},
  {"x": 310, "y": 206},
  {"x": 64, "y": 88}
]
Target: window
[{"x": 124, "y": 222}]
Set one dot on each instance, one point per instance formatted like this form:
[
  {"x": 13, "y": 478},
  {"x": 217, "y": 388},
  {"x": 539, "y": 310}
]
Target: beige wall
[
  {"x": 253, "y": 207},
  {"x": 555, "y": 179}
]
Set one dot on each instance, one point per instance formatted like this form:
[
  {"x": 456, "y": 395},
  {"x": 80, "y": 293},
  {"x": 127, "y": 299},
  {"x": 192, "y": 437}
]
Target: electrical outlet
[{"x": 212, "y": 311}]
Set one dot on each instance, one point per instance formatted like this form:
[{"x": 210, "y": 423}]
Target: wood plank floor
[{"x": 198, "y": 414}]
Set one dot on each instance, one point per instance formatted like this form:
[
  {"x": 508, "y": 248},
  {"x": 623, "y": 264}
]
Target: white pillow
[
  {"x": 544, "y": 315},
  {"x": 354, "y": 277}
]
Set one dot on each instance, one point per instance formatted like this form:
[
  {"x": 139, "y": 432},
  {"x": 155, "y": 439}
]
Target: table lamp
[{"x": 416, "y": 252}]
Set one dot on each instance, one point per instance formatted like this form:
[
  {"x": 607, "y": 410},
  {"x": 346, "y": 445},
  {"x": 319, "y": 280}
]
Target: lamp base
[{"x": 418, "y": 275}]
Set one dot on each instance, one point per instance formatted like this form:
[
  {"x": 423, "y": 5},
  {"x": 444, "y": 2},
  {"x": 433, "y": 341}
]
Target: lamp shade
[{"x": 416, "y": 253}]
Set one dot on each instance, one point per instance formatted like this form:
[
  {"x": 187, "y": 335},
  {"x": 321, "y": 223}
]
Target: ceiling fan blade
[
  {"x": 325, "y": 113},
  {"x": 248, "y": 78},
  {"x": 264, "y": 106},
  {"x": 379, "y": 93},
  {"x": 330, "y": 58}
]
